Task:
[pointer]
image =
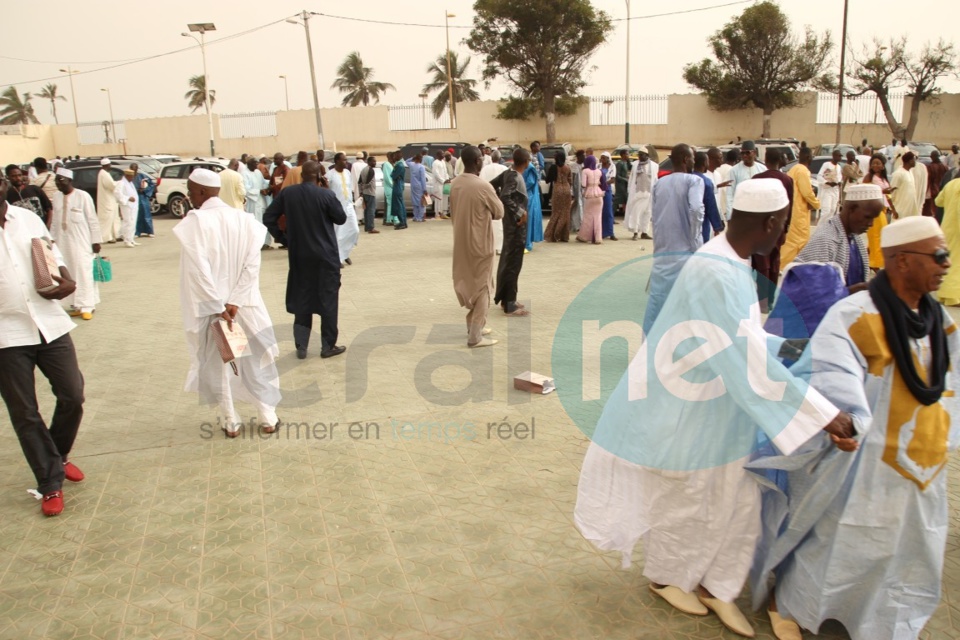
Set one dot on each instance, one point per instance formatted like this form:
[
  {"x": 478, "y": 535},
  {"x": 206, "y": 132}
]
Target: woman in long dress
[
  {"x": 558, "y": 229},
  {"x": 591, "y": 180},
  {"x": 878, "y": 175},
  {"x": 531, "y": 179}
]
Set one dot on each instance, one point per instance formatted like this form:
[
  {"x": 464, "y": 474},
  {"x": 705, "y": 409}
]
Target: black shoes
[{"x": 332, "y": 351}]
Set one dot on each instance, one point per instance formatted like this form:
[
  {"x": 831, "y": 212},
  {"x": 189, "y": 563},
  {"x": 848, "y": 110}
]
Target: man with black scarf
[{"x": 867, "y": 526}]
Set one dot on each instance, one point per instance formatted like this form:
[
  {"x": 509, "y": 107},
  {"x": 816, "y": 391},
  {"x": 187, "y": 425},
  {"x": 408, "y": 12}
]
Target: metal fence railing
[
  {"x": 863, "y": 109},
  {"x": 101, "y": 132},
  {"x": 648, "y": 109},
  {"x": 416, "y": 117},
  {"x": 257, "y": 124}
]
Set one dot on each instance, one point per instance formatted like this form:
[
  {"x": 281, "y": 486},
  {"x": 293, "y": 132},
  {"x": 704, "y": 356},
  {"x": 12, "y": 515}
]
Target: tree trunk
[
  {"x": 550, "y": 112},
  {"x": 914, "y": 119},
  {"x": 55, "y": 118},
  {"x": 895, "y": 127},
  {"x": 767, "y": 116}
]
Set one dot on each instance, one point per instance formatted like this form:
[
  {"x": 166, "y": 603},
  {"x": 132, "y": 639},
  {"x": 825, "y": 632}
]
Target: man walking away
[
  {"x": 473, "y": 204},
  {"x": 313, "y": 280},
  {"x": 220, "y": 280}
]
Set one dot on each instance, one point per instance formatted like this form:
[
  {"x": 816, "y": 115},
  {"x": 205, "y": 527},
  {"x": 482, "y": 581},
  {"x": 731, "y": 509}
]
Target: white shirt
[{"x": 25, "y": 315}]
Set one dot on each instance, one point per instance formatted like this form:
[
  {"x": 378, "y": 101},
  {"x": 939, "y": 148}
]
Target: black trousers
[
  {"x": 45, "y": 449},
  {"x": 511, "y": 262},
  {"x": 328, "y": 308}
]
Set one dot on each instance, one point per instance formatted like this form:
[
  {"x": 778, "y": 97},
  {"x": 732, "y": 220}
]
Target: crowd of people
[{"x": 736, "y": 459}]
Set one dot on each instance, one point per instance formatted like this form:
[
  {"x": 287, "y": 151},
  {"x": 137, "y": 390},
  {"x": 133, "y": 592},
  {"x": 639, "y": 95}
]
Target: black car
[
  {"x": 123, "y": 162},
  {"x": 85, "y": 177},
  {"x": 411, "y": 149}
]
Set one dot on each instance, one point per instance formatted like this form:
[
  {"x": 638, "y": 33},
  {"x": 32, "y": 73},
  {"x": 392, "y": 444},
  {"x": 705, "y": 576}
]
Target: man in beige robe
[
  {"x": 232, "y": 192},
  {"x": 473, "y": 205}
]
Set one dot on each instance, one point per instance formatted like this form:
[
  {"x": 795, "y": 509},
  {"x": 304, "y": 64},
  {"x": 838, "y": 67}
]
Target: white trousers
[
  {"x": 128, "y": 224},
  {"x": 829, "y": 199}
]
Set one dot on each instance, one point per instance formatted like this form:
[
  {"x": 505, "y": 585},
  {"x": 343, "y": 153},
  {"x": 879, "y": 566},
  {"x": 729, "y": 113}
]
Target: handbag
[
  {"x": 102, "y": 269},
  {"x": 446, "y": 189}
]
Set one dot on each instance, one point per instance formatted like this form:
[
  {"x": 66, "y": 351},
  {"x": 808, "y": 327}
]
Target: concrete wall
[{"x": 352, "y": 129}]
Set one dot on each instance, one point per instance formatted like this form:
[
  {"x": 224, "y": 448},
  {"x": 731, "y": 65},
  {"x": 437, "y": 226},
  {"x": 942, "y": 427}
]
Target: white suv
[{"x": 172, "y": 184}]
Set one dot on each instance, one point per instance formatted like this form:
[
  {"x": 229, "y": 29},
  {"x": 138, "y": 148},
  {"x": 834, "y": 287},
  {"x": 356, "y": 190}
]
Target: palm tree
[
  {"x": 14, "y": 110},
  {"x": 194, "y": 97},
  {"x": 49, "y": 92},
  {"x": 357, "y": 82},
  {"x": 463, "y": 88}
]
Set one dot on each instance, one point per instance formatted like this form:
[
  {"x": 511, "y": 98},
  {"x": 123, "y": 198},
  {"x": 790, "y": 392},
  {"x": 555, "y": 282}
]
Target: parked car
[
  {"x": 120, "y": 165},
  {"x": 144, "y": 163},
  {"x": 413, "y": 148},
  {"x": 827, "y": 150},
  {"x": 85, "y": 177},
  {"x": 923, "y": 149},
  {"x": 788, "y": 150},
  {"x": 815, "y": 165},
  {"x": 165, "y": 158},
  {"x": 172, "y": 185},
  {"x": 634, "y": 150}
]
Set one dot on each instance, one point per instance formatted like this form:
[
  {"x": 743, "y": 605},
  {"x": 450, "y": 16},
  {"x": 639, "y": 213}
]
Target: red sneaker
[
  {"x": 72, "y": 472},
  {"x": 52, "y": 504}
]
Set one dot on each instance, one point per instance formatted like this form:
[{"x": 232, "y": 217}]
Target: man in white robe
[
  {"x": 919, "y": 173},
  {"x": 129, "y": 207},
  {"x": 437, "y": 179},
  {"x": 489, "y": 173},
  {"x": 348, "y": 233},
  {"x": 255, "y": 187},
  {"x": 75, "y": 228},
  {"x": 640, "y": 195},
  {"x": 108, "y": 204},
  {"x": 861, "y": 533},
  {"x": 742, "y": 172},
  {"x": 220, "y": 279},
  {"x": 903, "y": 189},
  {"x": 668, "y": 454},
  {"x": 355, "y": 169},
  {"x": 828, "y": 186}
]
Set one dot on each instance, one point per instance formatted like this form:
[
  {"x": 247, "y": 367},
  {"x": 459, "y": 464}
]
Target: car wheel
[
  {"x": 154, "y": 206},
  {"x": 178, "y": 205}
]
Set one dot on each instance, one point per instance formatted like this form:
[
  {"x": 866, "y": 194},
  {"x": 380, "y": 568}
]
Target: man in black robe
[
  {"x": 313, "y": 284},
  {"x": 513, "y": 194}
]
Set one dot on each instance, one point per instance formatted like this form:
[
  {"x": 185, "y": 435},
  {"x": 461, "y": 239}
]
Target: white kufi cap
[
  {"x": 861, "y": 192},
  {"x": 205, "y": 178},
  {"x": 763, "y": 195},
  {"x": 642, "y": 149},
  {"x": 66, "y": 173},
  {"x": 907, "y": 230},
  {"x": 104, "y": 162}
]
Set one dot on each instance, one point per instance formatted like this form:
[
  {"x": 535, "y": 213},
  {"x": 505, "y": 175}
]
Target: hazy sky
[{"x": 244, "y": 70}]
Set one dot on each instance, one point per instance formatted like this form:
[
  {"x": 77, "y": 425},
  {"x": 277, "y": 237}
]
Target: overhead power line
[{"x": 115, "y": 64}]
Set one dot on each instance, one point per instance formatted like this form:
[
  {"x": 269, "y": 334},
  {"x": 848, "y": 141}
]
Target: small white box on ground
[{"x": 534, "y": 383}]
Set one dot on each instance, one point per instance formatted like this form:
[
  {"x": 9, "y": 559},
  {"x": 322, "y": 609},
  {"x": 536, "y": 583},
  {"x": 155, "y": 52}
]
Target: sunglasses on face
[{"x": 940, "y": 256}]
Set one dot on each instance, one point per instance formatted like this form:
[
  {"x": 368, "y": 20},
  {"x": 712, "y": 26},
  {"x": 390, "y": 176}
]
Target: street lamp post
[
  {"x": 305, "y": 16},
  {"x": 843, "y": 55},
  {"x": 113, "y": 126},
  {"x": 423, "y": 110},
  {"x": 202, "y": 28},
  {"x": 451, "y": 98},
  {"x": 73, "y": 96},
  {"x": 626, "y": 125},
  {"x": 286, "y": 92}
]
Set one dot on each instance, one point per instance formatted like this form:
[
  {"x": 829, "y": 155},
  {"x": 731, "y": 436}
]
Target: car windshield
[{"x": 923, "y": 148}]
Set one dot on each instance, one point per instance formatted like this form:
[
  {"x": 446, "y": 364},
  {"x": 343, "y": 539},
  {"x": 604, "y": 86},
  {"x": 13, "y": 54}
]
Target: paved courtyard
[{"x": 418, "y": 521}]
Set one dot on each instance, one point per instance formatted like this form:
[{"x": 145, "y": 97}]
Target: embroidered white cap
[
  {"x": 860, "y": 192},
  {"x": 763, "y": 195},
  {"x": 642, "y": 149},
  {"x": 104, "y": 162},
  {"x": 205, "y": 178},
  {"x": 907, "y": 230},
  {"x": 66, "y": 173}
]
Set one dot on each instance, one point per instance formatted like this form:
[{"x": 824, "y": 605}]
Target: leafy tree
[
  {"x": 16, "y": 110},
  {"x": 541, "y": 48},
  {"x": 761, "y": 64},
  {"x": 357, "y": 82},
  {"x": 49, "y": 92},
  {"x": 882, "y": 68},
  {"x": 463, "y": 87},
  {"x": 194, "y": 97}
]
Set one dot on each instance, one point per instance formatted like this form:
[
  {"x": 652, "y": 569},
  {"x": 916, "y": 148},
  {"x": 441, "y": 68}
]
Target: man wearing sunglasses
[
  {"x": 865, "y": 530},
  {"x": 838, "y": 239}
]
